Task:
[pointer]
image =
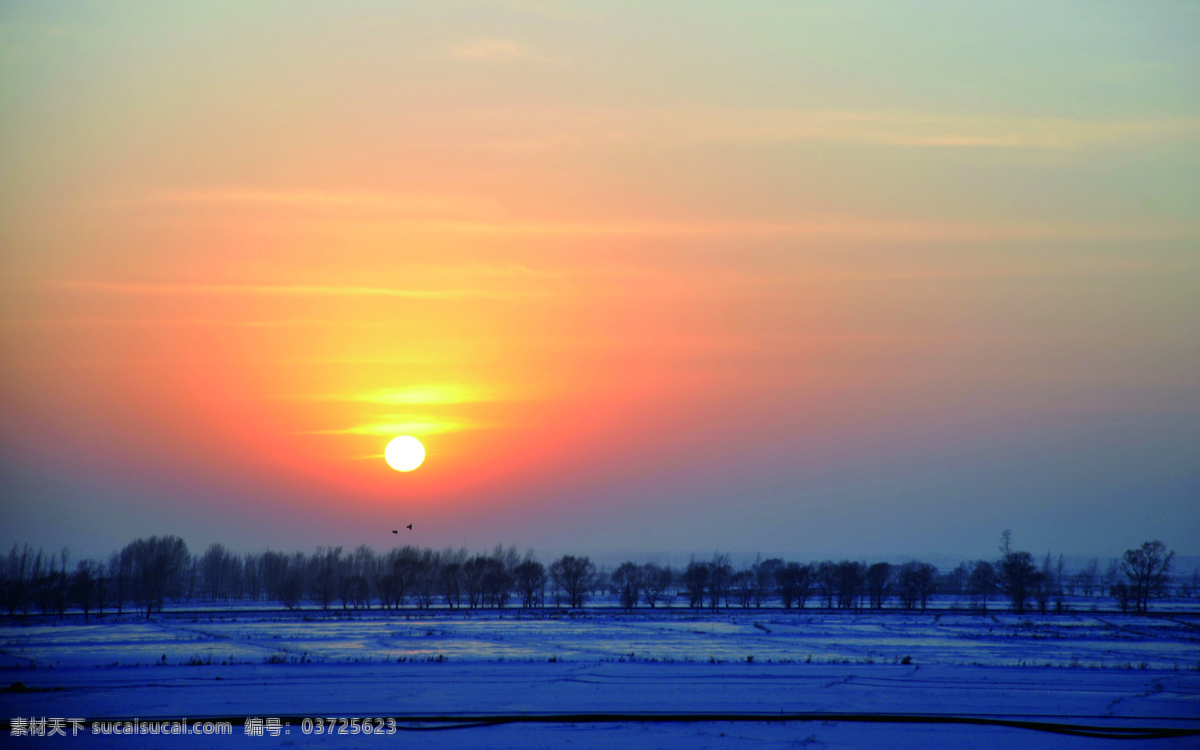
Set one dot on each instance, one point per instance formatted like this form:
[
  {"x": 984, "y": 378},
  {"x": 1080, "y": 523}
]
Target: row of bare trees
[
  {"x": 714, "y": 583},
  {"x": 145, "y": 573},
  {"x": 148, "y": 572},
  {"x": 1140, "y": 575},
  {"x": 1146, "y": 572}
]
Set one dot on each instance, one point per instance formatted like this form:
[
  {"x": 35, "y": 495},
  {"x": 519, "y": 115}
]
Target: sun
[{"x": 404, "y": 453}]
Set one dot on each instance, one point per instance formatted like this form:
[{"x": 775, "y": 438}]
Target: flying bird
[
  {"x": 395, "y": 531},
  {"x": 410, "y": 527}
]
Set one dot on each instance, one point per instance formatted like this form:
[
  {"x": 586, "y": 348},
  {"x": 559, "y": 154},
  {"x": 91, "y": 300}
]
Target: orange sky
[{"x": 828, "y": 278}]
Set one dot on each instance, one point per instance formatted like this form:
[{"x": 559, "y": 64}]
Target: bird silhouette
[
  {"x": 410, "y": 527},
  {"x": 395, "y": 531}
]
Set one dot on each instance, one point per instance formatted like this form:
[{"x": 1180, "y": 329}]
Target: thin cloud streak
[
  {"x": 582, "y": 127},
  {"x": 426, "y": 395},
  {"x": 916, "y": 129},
  {"x": 496, "y": 49},
  {"x": 465, "y": 214},
  {"x": 298, "y": 290},
  {"x": 415, "y": 425},
  {"x": 314, "y": 199},
  {"x": 849, "y": 227},
  {"x": 194, "y": 322},
  {"x": 662, "y": 281}
]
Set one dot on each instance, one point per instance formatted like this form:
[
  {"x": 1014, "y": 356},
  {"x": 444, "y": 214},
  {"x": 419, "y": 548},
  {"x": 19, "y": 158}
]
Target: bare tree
[
  {"x": 1112, "y": 574},
  {"x": 720, "y": 577},
  {"x": 218, "y": 569},
  {"x": 427, "y": 576},
  {"x": 1044, "y": 586},
  {"x": 745, "y": 587},
  {"x": 120, "y": 571},
  {"x": 473, "y": 572},
  {"x": 849, "y": 583},
  {"x": 878, "y": 576},
  {"x": 252, "y": 575},
  {"x": 62, "y": 584},
  {"x": 982, "y": 582},
  {"x": 41, "y": 581},
  {"x": 531, "y": 582},
  {"x": 656, "y": 583},
  {"x": 158, "y": 567},
  {"x": 1019, "y": 577},
  {"x": 497, "y": 580},
  {"x": 1086, "y": 578},
  {"x": 764, "y": 578},
  {"x": 1122, "y": 593},
  {"x": 1148, "y": 569},
  {"x": 508, "y": 556},
  {"x": 450, "y": 581},
  {"x": 102, "y": 588},
  {"x": 826, "y": 575},
  {"x": 291, "y": 589},
  {"x": 915, "y": 582},
  {"x": 1060, "y": 583},
  {"x": 295, "y": 582},
  {"x": 601, "y": 583},
  {"x": 794, "y": 584},
  {"x": 273, "y": 569},
  {"x": 627, "y": 579},
  {"x": 359, "y": 569},
  {"x": 396, "y": 574},
  {"x": 574, "y": 576},
  {"x": 326, "y": 574},
  {"x": 957, "y": 581},
  {"x": 83, "y": 586},
  {"x": 695, "y": 582},
  {"x": 15, "y": 580}
]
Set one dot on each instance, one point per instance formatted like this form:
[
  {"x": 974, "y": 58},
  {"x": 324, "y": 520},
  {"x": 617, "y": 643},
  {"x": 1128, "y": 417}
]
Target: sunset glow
[{"x": 678, "y": 277}]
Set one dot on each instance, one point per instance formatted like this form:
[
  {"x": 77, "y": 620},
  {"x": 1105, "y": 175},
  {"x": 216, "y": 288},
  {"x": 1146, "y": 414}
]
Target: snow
[{"x": 1085, "y": 668}]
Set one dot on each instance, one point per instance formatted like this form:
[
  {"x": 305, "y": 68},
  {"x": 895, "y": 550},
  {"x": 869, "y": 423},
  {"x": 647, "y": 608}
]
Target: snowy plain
[{"x": 1097, "y": 669}]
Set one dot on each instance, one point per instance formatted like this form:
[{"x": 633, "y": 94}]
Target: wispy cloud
[
  {"x": 496, "y": 49},
  {"x": 419, "y": 395},
  {"x": 295, "y": 290},
  {"x": 842, "y": 227},
  {"x": 952, "y": 130},
  {"x": 898, "y": 129},
  {"x": 509, "y": 128},
  {"x": 163, "y": 322},
  {"x": 403, "y": 424},
  {"x": 847, "y": 227},
  {"x": 338, "y": 198},
  {"x": 98, "y": 322}
]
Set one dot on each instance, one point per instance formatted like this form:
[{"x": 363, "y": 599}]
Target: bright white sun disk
[{"x": 404, "y": 453}]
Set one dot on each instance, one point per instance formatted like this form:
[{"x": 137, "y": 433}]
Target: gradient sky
[{"x": 822, "y": 279}]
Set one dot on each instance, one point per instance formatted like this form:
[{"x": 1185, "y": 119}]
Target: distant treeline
[{"x": 147, "y": 573}]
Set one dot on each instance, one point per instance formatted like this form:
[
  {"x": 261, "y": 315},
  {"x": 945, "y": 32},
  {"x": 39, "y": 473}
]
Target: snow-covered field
[{"x": 1094, "y": 669}]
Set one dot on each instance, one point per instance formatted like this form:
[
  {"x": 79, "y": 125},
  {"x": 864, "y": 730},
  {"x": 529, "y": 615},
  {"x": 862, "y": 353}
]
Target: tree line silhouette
[{"x": 146, "y": 573}]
